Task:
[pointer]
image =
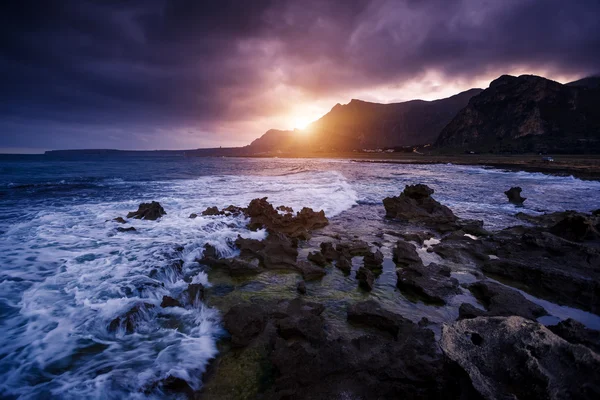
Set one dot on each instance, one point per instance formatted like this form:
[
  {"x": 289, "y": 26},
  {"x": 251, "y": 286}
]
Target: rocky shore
[{"x": 401, "y": 301}]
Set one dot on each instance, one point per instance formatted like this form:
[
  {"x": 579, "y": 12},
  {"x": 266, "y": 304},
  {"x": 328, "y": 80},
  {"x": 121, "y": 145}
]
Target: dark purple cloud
[{"x": 177, "y": 74}]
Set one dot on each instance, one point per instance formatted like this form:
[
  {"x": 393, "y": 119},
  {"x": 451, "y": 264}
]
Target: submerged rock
[
  {"x": 318, "y": 258},
  {"x": 514, "y": 195},
  {"x": 301, "y": 287},
  {"x": 194, "y": 293},
  {"x": 120, "y": 220},
  {"x": 329, "y": 251},
  {"x": 193, "y": 215},
  {"x": 515, "y": 358},
  {"x": 150, "y": 211},
  {"x": 310, "y": 271},
  {"x": 365, "y": 278},
  {"x": 344, "y": 264},
  {"x": 415, "y": 204},
  {"x": 373, "y": 260},
  {"x": 129, "y": 321},
  {"x": 130, "y": 229},
  {"x": 431, "y": 283},
  {"x": 168, "y": 301}
]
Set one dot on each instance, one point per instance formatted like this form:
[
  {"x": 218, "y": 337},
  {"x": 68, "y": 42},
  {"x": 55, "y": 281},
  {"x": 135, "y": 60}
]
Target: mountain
[
  {"x": 589, "y": 82},
  {"x": 360, "y": 124},
  {"x": 527, "y": 114}
]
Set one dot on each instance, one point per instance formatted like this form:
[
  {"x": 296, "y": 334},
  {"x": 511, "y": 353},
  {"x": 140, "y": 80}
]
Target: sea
[{"x": 66, "y": 272}]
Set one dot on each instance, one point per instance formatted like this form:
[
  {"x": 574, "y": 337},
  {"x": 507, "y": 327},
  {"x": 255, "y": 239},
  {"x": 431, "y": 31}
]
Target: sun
[{"x": 300, "y": 121}]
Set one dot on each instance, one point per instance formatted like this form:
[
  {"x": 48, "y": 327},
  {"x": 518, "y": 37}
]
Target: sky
[{"x": 157, "y": 74}]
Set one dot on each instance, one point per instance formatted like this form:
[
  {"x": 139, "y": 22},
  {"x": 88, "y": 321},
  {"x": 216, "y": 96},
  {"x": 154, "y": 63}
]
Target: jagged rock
[
  {"x": 130, "y": 319},
  {"x": 405, "y": 254},
  {"x": 318, "y": 258},
  {"x": 194, "y": 292},
  {"x": 211, "y": 211},
  {"x": 514, "y": 195},
  {"x": 501, "y": 301},
  {"x": 193, "y": 215},
  {"x": 277, "y": 251},
  {"x": 370, "y": 313},
  {"x": 515, "y": 358},
  {"x": 328, "y": 251},
  {"x": 120, "y": 220},
  {"x": 301, "y": 287},
  {"x": 431, "y": 283},
  {"x": 344, "y": 264},
  {"x": 415, "y": 204},
  {"x": 576, "y": 228},
  {"x": 232, "y": 210},
  {"x": 467, "y": 310},
  {"x": 262, "y": 214},
  {"x": 365, "y": 278},
  {"x": 244, "y": 322},
  {"x": 310, "y": 271},
  {"x": 419, "y": 237},
  {"x": 150, "y": 211},
  {"x": 233, "y": 266},
  {"x": 285, "y": 209},
  {"x": 130, "y": 229},
  {"x": 373, "y": 260},
  {"x": 168, "y": 301},
  {"x": 353, "y": 249},
  {"x": 576, "y": 333}
]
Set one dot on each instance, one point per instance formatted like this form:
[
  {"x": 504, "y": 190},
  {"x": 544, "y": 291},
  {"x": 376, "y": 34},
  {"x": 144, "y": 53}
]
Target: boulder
[
  {"x": 514, "y": 195},
  {"x": 318, "y": 258},
  {"x": 130, "y": 319},
  {"x": 310, "y": 271},
  {"x": 120, "y": 220},
  {"x": 211, "y": 211},
  {"x": 515, "y": 358},
  {"x": 344, "y": 264},
  {"x": 431, "y": 283},
  {"x": 329, "y": 251},
  {"x": 365, "y": 278},
  {"x": 502, "y": 301},
  {"x": 353, "y": 249},
  {"x": 150, "y": 211},
  {"x": 373, "y": 260},
  {"x": 130, "y": 229},
  {"x": 576, "y": 333},
  {"x": 405, "y": 254},
  {"x": 168, "y": 301},
  {"x": 193, "y": 215},
  {"x": 415, "y": 204}
]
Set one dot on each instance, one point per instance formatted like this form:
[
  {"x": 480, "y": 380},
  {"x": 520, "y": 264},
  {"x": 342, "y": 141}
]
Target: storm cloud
[{"x": 186, "y": 74}]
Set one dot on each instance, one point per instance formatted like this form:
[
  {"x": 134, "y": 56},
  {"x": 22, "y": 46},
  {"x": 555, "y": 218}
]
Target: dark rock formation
[
  {"x": 328, "y": 251},
  {"x": 511, "y": 357},
  {"x": 130, "y": 229},
  {"x": 318, "y": 258},
  {"x": 344, "y": 264},
  {"x": 370, "y": 313},
  {"x": 365, "y": 278},
  {"x": 526, "y": 114},
  {"x": 353, "y": 249},
  {"x": 244, "y": 322},
  {"x": 415, "y": 204},
  {"x": 575, "y": 227},
  {"x": 419, "y": 237},
  {"x": 576, "y": 333},
  {"x": 193, "y": 215},
  {"x": 405, "y": 254},
  {"x": 168, "y": 301},
  {"x": 301, "y": 287},
  {"x": 128, "y": 321},
  {"x": 151, "y": 211},
  {"x": 373, "y": 260},
  {"x": 194, "y": 293},
  {"x": 431, "y": 283},
  {"x": 120, "y": 220},
  {"x": 501, "y": 301},
  {"x": 277, "y": 251},
  {"x": 263, "y": 214},
  {"x": 310, "y": 271},
  {"x": 211, "y": 211},
  {"x": 514, "y": 195}
]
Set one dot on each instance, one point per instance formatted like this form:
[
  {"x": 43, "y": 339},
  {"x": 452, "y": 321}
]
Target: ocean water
[{"x": 66, "y": 273}]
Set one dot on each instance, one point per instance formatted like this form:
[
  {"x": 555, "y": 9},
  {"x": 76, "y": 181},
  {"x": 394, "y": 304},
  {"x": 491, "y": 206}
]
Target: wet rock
[
  {"x": 576, "y": 228},
  {"x": 263, "y": 214},
  {"x": 277, "y": 251},
  {"x": 285, "y": 209},
  {"x": 502, "y": 301},
  {"x": 415, "y": 204},
  {"x": 130, "y": 229},
  {"x": 344, "y": 264},
  {"x": 353, "y": 249},
  {"x": 514, "y": 195},
  {"x": 318, "y": 258},
  {"x": 467, "y": 310},
  {"x": 370, "y": 313},
  {"x": 515, "y": 358},
  {"x": 576, "y": 333},
  {"x": 150, "y": 211},
  {"x": 301, "y": 287},
  {"x": 120, "y": 220},
  {"x": 405, "y": 254},
  {"x": 329, "y": 251},
  {"x": 194, "y": 293},
  {"x": 365, "y": 278},
  {"x": 174, "y": 384},
  {"x": 431, "y": 283},
  {"x": 419, "y": 237},
  {"x": 244, "y": 322},
  {"x": 128, "y": 321},
  {"x": 233, "y": 266},
  {"x": 373, "y": 260},
  {"x": 232, "y": 210},
  {"x": 168, "y": 301},
  {"x": 193, "y": 215},
  {"x": 310, "y": 271},
  {"x": 211, "y": 211}
]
